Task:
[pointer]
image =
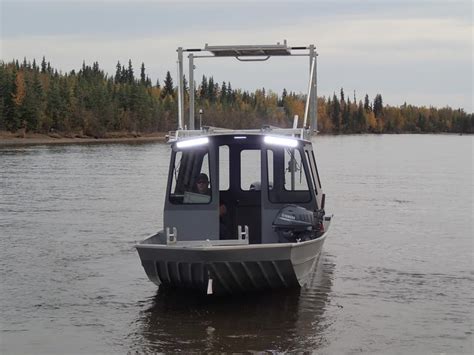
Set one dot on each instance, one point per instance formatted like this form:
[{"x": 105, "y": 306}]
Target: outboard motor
[{"x": 295, "y": 223}]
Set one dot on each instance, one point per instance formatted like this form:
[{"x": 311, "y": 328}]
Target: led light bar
[
  {"x": 286, "y": 142},
  {"x": 192, "y": 142}
]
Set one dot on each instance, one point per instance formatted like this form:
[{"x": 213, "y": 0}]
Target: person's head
[{"x": 202, "y": 183}]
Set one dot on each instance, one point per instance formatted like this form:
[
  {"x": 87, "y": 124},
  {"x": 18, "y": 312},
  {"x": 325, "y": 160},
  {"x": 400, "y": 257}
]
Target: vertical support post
[
  {"x": 311, "y": 93},
  {"x": 191, "y": 91},
  {"x": 309, "y": 97},
  {"x": 315, "y": 83},
  {"x": 180, "y": 89}
]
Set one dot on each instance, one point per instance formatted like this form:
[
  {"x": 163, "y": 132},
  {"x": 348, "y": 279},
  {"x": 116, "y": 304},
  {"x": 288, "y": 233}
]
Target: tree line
[{"x": 89, "y": 102}]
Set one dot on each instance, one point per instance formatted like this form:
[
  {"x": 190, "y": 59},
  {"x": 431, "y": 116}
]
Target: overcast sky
[{"x": 419, "y": 52}]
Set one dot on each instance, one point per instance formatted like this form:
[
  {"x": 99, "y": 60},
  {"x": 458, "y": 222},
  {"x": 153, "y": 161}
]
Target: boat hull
[{"x": 231, "y": 268}]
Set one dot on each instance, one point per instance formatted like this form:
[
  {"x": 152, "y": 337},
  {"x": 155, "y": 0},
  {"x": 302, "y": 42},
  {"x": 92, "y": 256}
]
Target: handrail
[{"x": 253, "y": 60}]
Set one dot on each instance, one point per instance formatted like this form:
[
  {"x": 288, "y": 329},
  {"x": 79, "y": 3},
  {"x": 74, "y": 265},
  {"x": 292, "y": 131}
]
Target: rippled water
[{"x": 396, "y": 275}]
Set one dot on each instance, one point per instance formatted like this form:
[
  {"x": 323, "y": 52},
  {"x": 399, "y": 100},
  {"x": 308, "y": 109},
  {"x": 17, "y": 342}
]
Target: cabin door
[
  {"x": 286, "y": 181},
  {"x": 192, "y": 204}
]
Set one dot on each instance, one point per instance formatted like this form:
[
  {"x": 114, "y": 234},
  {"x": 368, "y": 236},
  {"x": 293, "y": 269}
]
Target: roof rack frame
[{"x": 246, "y": 53}]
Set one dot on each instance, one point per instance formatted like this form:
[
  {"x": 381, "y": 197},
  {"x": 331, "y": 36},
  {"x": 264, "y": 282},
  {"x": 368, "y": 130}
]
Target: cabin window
[
  {"x": 250, "y": 175},
  {"x": 224, "y": 168},
  {"x": 312, "y": 168},
  {"x": 315, "y": 167},
  {"x": 190, "y": 183},
  {"x": 287, "y": 179},
  {"x": 295, "y": 177}
]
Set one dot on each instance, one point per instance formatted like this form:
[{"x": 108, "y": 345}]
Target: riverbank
[{"x": 8, "y": 138}]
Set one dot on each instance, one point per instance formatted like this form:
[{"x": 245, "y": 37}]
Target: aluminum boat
[{"x": 244, "y": 209}]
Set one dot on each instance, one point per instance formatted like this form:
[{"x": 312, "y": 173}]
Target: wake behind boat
[{"x": 244, "y": 209}]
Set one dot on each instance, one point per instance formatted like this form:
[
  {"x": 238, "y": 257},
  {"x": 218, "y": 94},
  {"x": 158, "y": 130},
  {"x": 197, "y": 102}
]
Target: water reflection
[{"x": 283, "y": 320}]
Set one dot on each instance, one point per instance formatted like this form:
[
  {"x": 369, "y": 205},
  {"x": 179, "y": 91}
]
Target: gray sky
[{"x": 415, "y": 51}]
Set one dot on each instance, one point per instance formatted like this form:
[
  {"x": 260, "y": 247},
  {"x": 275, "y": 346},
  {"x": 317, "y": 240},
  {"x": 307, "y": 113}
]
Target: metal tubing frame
[
  {"x": 180, "y": 89},
  {"x": 312, "y": 90},
  {"x": 313, "y": 111},
  {"x": 309, "y": 104},
  {"x": 191, "y": 91}
]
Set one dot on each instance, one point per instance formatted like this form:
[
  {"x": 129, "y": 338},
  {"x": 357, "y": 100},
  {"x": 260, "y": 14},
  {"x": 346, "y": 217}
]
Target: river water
[{"x": 396, "y": 274}]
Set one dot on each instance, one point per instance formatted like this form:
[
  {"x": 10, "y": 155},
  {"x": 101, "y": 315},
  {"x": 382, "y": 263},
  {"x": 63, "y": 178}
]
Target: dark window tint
[{"x": 190, "y": 183}]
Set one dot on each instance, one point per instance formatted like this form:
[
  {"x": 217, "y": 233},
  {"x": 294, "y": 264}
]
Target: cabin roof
[{"x": 294, "y": 133}]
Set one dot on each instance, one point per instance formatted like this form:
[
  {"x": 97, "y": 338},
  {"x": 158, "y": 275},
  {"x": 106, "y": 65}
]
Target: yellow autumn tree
[
  {"x": 20, "y": 92},
  {"x": 295, "y": 106},
  {"x": 324, "y": 122},
  {"x": 371, "y": 121}
]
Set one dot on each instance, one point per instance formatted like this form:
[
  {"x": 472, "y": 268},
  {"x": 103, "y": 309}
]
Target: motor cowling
[{"x": 295, "y": 223}]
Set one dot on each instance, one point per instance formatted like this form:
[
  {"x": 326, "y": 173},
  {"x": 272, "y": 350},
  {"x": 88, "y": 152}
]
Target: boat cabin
[{"x": 232, "y": 186}]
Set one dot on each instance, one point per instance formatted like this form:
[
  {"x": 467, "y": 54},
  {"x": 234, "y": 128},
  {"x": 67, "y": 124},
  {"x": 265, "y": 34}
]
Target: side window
[
  {"x": 174, "y": 179},
  {"x": 313, "y": 169},
  {"x": 295, "y": 177},
  {"x": 224, "y": 173},
  {"x": 250, "y": 177},
  {"x": 190, "y": 183},
  {"x": 287, "y": 178}
]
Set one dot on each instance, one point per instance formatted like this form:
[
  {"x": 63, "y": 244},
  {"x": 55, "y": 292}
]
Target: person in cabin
[{"x": 202, "y": 185}]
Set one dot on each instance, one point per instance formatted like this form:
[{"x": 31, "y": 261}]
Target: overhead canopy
[{"x": 249, "y": 51}]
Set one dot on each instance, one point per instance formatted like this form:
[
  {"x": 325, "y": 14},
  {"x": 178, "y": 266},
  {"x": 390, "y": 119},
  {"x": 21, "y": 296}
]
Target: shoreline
[
  {"x": 11, "y": 139},
  {"x": 14, "y": 139}
]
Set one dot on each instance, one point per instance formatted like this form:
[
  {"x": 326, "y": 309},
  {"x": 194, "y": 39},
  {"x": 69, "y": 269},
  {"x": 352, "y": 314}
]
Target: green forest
[{"x": 35, "y": 97}]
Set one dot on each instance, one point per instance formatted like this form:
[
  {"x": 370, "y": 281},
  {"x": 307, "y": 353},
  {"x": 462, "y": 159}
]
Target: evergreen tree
[
  {"x": 231, "y": 95},
  {"x": 336, "y": 114},
  {"x": 95, "y": 68},
  {"x": 211, "y": 90},
  {"x": 378, "y": 106},
  {"x": 346, "y": 117},
  {"x": 130, "y": 76},
  {"x": 203, "y": 91},
  {"x": 223, "y": 96},
  {"x": 118, "y": 73},
  {"x": 361, "y": 120},
  {"x": 148, "y": 82},
  {"x": 367, "y": 107},
  {"x": 123, "y": 75},
  {"x": 168, "y": 88},
  {"x": 142, "y": 75},
  {"x": 43, "y": 66},
  {"x": 284, "y": 94}
]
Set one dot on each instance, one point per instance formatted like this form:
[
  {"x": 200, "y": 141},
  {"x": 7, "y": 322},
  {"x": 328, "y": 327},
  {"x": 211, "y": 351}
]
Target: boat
[{"x": 244, "y": 209}]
